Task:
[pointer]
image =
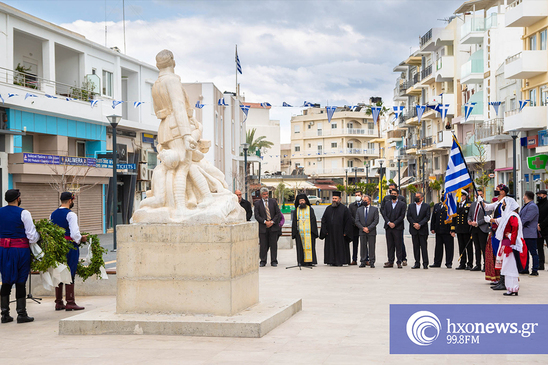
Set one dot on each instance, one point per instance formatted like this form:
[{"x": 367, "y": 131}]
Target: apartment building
[{"x": 51, "y": 133}]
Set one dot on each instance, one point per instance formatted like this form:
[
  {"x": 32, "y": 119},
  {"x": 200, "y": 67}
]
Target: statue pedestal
[{"x": 171, "y": 268}]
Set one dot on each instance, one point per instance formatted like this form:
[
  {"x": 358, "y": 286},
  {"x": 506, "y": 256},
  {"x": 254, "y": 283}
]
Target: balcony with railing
[
  {"x": 427, "y": 37},
  {"x": 395, "y": 135},
  {"x": 436, "y": 38},
  {"x": 530, "y": 118},
  {"x": 472, "y": 71},
  {"x": 472, "y": 31},
  {"x": 524, "y": 13},
  {"x": 492, "y": 131},
  {"x": 330, "y": 132},
  {"x": 426, "y": 75},
  {"x": 445, "y": 68},
  {"x": 526, "y": 64}
]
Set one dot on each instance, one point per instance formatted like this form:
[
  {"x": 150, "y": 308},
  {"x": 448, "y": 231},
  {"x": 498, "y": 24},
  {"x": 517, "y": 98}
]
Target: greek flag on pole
[
  {"x": 375, "y": 111},
  {"x": 93, "y": 102},
  {"x": 29, "y": 95},
  {"x": 12, "y": 95},
  {"x": 238, "y": 65},
  {"x": 420, "y": 111},
  {"x": 330, "y": 111},
  {"x": 468, "y": 107},
  {"x": 308, "y": 104},
  {"x": 495, "y": 105},
  {"x": 457, "y": 178},
  {"x": 522, "y": 104},
  {"x": 286, "y": 105},
  {"x": 115, "y": 103},
  {"x": 245, "y": 109},
  {"x": 199, "y": 105},
  {"x": 137, "y": 104}
]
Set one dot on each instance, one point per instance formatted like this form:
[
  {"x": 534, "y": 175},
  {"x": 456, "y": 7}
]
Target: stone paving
[{"x": 345, "y": 320}]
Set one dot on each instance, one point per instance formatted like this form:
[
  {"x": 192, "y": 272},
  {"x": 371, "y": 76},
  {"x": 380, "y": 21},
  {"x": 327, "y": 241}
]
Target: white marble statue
[{"x": 185, "y": 186}]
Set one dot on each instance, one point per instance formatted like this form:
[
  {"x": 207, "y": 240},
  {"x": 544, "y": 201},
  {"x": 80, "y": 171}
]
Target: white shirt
[
  {"x": 30, "y": 229},
  {"x": 394, "y": 204},
  {"x": 419, "y": 205},
  {"x": 72, "y": 220}
]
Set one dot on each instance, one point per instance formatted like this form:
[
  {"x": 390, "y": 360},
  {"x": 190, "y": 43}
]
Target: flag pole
[{"x": 236, "y": 67}]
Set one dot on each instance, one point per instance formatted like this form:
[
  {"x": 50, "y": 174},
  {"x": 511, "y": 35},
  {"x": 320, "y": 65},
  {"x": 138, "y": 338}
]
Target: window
[
  {"x": 333, "y": 125},
  {"x": 216, "y": 129},
  {"x": 297, "y": 129},
  {"x": 93, "y": 71},
  {"x": 310, "y": 145},
  {"x": 297, "y": 148},
  {"x": 513, "y": 104},
  {"x": 27, "y": 144},
  {"x": 350, "y": 145},
  {"x": 533, "y": 42},
  {"x": 233, "y": 134},
  {"x": 333, "y": 144},
  {"x": 543, "y": 36},
  {"x": 544, "y": 95},
  {"x": 152, "y": 160},
  {"x": 320, "y": 148},
  {"x": 350, "y": 163},
  {"x": 107, "y": 83},
  {"x": 436, "y": 163},
  {"x": 80, "y": 148},
  {"x": 533, "y": 97},
  {"x": 350, "y": 125}
]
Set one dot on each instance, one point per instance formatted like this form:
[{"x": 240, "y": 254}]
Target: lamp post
[
  {"x": 514, "y": 134},
  {"x": 114, "y": 120},
  {"x": 355, "y": 175},
  {"x": 245, "y": 147},
  {"x": 367, "y": 172},
  {"x": 346, "y": 184},
  {"x": 399, "y": 176},
  {"x": 380, "y": 181}
]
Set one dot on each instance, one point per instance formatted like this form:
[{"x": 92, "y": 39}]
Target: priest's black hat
[
  {"x": 337, "y": 193},
  {"x": 299, "y": 197},
  {"x": 11, "y": 195}
]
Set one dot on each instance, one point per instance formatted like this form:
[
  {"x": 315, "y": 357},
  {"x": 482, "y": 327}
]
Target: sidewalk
[{"x": 345, "y": 320}]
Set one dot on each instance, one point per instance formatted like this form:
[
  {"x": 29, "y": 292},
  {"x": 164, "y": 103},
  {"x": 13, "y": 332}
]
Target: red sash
[{"x": 14, "y": 242}]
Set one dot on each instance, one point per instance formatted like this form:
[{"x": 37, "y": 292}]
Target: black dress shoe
[
  {"x": 274, "y": 264},
  {"x": 468, "y": 267},
  {"x": 511, "y": 293},
  {"x": 449, "y": 266},
  {"x": 476, "y": 268},
  {"x": 373, "y": 266},
  {"x": 416, "y": 267},
  {"x": 524, "y": 272},
  {"x": 262, "y": 264},
  {"x": 434, "y": 265},
  {"x": 533, "y": 273},
  {"x": 425, "y": 267},
  {"x": 461, "y": 267},
  {"x": 362, "y": 265}
]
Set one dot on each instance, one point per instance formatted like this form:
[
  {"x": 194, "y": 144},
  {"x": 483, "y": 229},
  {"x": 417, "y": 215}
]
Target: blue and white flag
[
  {"x": 457, "y": 178},
  {"x": 443, "y": 111},
  {"x": 522, "y": 104},
  {"x": 29, "y": 95},
  {"x": 286, "y": 105},
  {"x": 12, "y": 95},
  {"x": 375, "y": 111},
  {"x": 137, "y": 104},
  {"x": 1, "y": 98},
  {"x": 70, "y": 99},
  {"x": 93, "y": 102},
  {"x": 495, "y": 105},
  {"x": 308, "y": 104},
  {"x": 222, "y": 102},
  {"x": 330, "y": 111},
  {"x": 397, "y": 111},
  {"x": 115, "y": 103},
  {"x": 436, "y": 107},
  {"x": 420, "y": 111},
  {"x": 245, "y": 110},
  {"x": 199, "y": 105},
  {"x": 468, "y": 107},
  {"x": 50, "y": 96},
  {"x": 265, "y": 105},
  {"x": 238, "y": 65}
]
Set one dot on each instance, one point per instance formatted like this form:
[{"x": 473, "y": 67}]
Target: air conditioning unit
[
  {"x": 144, "y": 155},
  {"x": 143, "y": 171},
  {"x": 150, "y": 174},
  {"x": 392, "y": 165}
]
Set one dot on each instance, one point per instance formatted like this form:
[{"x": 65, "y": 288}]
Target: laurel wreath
[{"x": 97, "y": 261}]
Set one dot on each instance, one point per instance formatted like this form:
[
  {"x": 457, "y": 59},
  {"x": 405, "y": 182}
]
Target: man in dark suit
[
  {"x": 394, "y": 214},
  {"x": 388, "y": 199},
  {"x": 268, "y": 214},
  {"x": 418, "y": 214},
  {"x": 353, "y": 207},
  {"x": 466, "y": 247},
  {"x": 529, "y": 220},
  {"x": 244, "y": 204},
  {"x": 542, "y": 204},
  {"x": 480, "y": 230},
  {"x": 367, "y": 218},
  {"x": 444, "y": 236}
]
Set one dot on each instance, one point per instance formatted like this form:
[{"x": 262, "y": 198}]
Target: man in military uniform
[
  {"x": 444, "y": 236},
  {"x": 462, "y": 228}
]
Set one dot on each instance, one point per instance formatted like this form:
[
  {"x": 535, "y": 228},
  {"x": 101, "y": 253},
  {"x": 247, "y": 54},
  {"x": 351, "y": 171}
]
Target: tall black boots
[
  {"x": 500, "y": 285},
  {"x": 22, "y": 316},
  {"x": 5, "y": 306}
]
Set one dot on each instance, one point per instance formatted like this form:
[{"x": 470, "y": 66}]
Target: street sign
[
  {"x": 492, "y": 176},
  {"x": 537, "y": 162}
]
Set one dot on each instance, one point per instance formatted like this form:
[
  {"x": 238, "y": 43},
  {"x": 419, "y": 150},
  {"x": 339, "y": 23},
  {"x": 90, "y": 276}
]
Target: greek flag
[
  {"x": 443, "y": 110},
  {"x": 265, "y": 105},
  {"x": 522, "y": 104},
  {"x": 435, "y": 107},
  {"x": 286, "y": 105},
  {"x": 238, "y": 65},
  {"x": 222, "y": 102},
  {"x": 495, "y": 105},
  {"x": 457, "y": 178},
  {"x": 29, "y": 95},
  {"x": 12, "y": 95},
  {"x": 1, "y": 98},
  {"x": 330, "y": 111},
  {"x": 420, "y": 111},
  {"x": 308, "y": 104},
  {"x": 137, "y": 104},
  {"x": 397, "y": 111},
  {"x": 115, "y": 103},
  {"x": 375, "y": 111},
  {"x": 199, "y": 105},
  {"x": 468, "y": 107},
  {"x": 50, "y": 96},
  {"x": 93, "y": 102},
  {"x": 245, "y": 110},
  {"x": 70, "y": 99}
]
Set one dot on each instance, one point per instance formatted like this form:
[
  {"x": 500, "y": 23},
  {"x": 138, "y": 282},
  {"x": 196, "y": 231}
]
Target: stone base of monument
[{"x": 198, "y": 280}]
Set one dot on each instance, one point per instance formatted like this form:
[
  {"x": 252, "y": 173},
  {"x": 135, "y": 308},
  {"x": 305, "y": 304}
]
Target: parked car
[{"x": 313, "y": 199}]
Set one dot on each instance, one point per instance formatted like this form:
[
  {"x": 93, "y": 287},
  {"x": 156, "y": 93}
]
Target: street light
[
  {"x": 380, "y": 181},
  {"x": 114, "y": 120},
  {"x": 514, "y": 134},
  {"x": 245, "y": 147},
  {"x": 367, "y": 172},
  {"x": 399, "y": 176}
]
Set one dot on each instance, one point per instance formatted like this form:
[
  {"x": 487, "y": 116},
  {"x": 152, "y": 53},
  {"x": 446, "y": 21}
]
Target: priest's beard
[
  {"x": 335, "y": 204},
  {"x": 302, "y": 206}
]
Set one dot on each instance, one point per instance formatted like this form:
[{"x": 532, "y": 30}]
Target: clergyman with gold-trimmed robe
[{"x": 305, "y": 231}]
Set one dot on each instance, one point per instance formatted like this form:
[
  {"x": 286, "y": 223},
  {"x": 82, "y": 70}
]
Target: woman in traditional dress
[
  {"x": 491, "y": 273},
  {"x": 305, "y": 231}
]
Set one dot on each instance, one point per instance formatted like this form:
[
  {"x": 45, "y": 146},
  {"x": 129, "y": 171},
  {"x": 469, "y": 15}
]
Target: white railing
[
  {"x": 514, "y": 4},
  {"x": 338, "y": 131},
  {"x": 513, "y": 58}
]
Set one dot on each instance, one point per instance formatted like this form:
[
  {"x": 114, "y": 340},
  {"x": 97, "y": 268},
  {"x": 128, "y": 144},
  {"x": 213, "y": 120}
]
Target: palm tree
[{"x": 256, "y": 144}]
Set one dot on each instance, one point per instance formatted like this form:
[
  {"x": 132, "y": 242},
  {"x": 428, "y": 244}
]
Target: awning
[
  {"x": 405, "y": 180},
  {"x": 470, "y": 5},
  {"x": 326, "y": 187},
  {"x": 300, "y": 185},
  {"x": 504, "y": 169}
]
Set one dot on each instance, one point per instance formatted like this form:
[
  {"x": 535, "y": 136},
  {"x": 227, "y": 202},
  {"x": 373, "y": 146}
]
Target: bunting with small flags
[
  {"x": 12, "y": 95},
  {"x": 50, "y": 96},
  {"x": 93, "y": 102},
  {"x": 468, "y": 107},
  {"x": 420, "y": 111},
  {"x": 522, "y": 104},
  {"x": 70, "y": 99},
  {"x": 286, "y": 105},
  {"x": 330, "y": 111},
  {"x": 1, "y": 98},
  {"x": 308, "y": 104},
  {"x": 245, "y": 110},
  {"x": 29, "y": 95},
  {"x": 199, "y": 105},
  {"x": 397, "y": 111},
  {"x": 137, "y": 104},
  {"x": 265, "y": 105},
  {"x": 375, "y": 111},
  {"x": 115, "y": 103},
  {"x": 495, "y": 105},
  {"x": 222, "y": 102}
]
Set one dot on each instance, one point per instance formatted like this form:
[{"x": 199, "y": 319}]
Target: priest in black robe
[
  {"x": 305, "y": 231},
  {"x": 337, "y": 225}
]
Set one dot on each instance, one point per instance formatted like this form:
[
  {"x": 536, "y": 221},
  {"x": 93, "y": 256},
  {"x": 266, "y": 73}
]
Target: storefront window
[{"x": 27, "y": 144}]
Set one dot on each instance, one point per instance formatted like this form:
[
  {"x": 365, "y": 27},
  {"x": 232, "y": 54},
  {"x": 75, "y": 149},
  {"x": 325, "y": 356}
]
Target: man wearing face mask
[
  {"x": 529, "y": 220},
  {"x": 353, "y": 207},
  {"x": 68, "y": 220},
  {"x": 388, "y": 200},
  {"x": 462, "y": 228},
  {"x": 394, "y": 214},
  {"x": 418, "y": 215},
  {"x": 542, "y": 204},
  {"x": 305, "y": 231},
  {"x": 367, "y": 218},
  {"x": 337, "y": 231},
  {"x": 17, "y": 231}
]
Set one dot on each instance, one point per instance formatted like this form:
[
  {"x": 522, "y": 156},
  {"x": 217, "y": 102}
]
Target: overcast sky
[{"x": 336, "y": 52}]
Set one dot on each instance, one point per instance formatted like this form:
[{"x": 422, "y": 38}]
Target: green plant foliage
[
  {"x": 54, "y": 246},
  {"x": 97, "y": 261},
  {"x": 412, "y": 189}
]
